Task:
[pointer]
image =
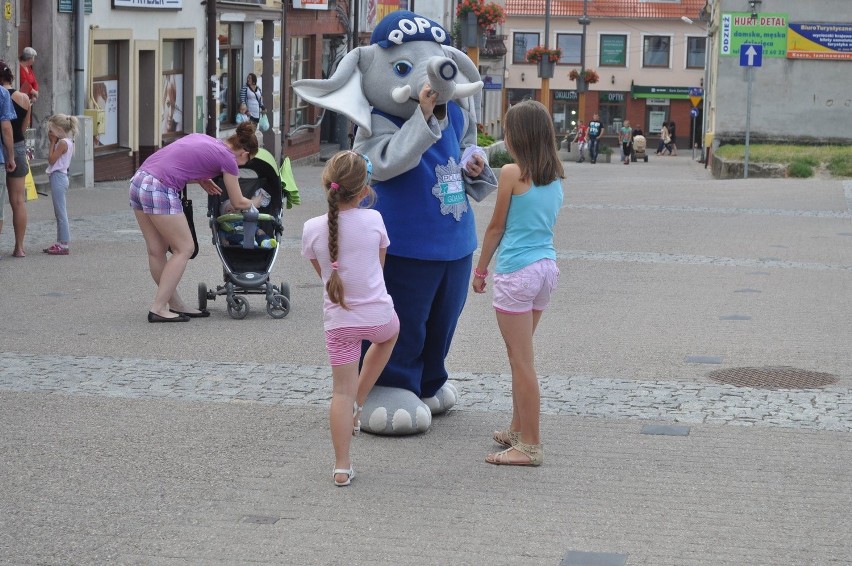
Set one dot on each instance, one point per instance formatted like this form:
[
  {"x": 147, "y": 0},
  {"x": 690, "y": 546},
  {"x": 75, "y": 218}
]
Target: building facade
[{"x": 647, "y": 57}]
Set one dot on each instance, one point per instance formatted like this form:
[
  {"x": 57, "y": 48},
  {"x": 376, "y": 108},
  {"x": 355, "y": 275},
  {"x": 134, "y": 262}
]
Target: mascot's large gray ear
[
  {"x": 469, "y": 75},
  {"x": 342, "y": 92}
]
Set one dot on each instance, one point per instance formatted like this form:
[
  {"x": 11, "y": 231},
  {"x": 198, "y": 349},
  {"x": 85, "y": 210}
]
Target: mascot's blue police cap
[{"x": 403, "y": 26}]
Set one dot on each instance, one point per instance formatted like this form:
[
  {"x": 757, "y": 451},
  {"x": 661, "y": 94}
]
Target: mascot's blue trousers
[{"x": 428, "y": 297}]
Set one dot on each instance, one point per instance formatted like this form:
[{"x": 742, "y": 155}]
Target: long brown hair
[
  {"x": 531, "y": 139},
  {"x": 344, "y": 178},
  {"x": 244, "y": 138}
]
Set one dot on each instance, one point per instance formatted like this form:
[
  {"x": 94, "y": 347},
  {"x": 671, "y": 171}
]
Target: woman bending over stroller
[{"x": 155, "y": 199}]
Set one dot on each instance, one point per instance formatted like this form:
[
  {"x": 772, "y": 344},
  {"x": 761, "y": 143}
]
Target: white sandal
[{"x": 350, "y": 474}]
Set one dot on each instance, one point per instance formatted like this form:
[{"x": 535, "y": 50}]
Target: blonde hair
[
  {"x": 345, "y": 176},
  {"x": 64, "y": 123}
]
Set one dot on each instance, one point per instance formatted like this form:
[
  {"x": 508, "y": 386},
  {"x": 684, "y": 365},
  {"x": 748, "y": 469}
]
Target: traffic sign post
[
  {"x": 751, "y": 56},
  {"x": 696, "y": 94}
]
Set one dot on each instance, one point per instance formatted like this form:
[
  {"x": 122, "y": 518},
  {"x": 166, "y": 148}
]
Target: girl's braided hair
[{"x": 345, "y": 176}]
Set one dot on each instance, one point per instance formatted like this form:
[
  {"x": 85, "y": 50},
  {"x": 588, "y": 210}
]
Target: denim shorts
[
  {"x": 150, "y": 196},
  {"x": 344, "y": 344},
  {"x": 526, "y": 289},
  {"x": 22, "y": 166}
]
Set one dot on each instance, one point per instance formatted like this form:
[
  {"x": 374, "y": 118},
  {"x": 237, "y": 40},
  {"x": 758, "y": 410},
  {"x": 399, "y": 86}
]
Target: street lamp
[
  {"x": 581, "y": 92},
  {"x": 705, "y": 81}
]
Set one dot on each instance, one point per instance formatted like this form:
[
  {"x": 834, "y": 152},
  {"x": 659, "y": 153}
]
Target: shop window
[
  {"x": 105, "y": 85},
  {"x": 612, "y": 110},
  {"x": 300, "y": 58},
  {"x": 230, "y": 71},
  {"x": 521, "y": 43},
  {"x": 570, "y": 44},
  {"x": 564, "y": 117},
  {"x": 515, "y": 95},
  {"x": 172, "y": 120},
  {"x": 656, "y": 50},
  {"x": 695, "y": 51},
  {"x": 613, "y": 50}
]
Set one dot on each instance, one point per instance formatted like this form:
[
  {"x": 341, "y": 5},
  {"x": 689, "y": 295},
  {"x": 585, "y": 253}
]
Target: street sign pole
[
  {"x": 750, "y": 72},
  {"x": 751, "y": 56}
]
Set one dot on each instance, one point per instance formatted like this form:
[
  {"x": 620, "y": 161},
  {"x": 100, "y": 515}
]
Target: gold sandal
[
  {"x": 532, "y": 451},
  {"x": 507, "y": 438}
]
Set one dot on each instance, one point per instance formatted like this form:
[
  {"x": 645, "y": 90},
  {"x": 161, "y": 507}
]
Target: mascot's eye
[{"x": 402, "y": 68}]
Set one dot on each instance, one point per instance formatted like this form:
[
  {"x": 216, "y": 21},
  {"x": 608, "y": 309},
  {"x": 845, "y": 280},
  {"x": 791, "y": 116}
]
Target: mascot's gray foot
[
  {"x": 443, "y": 400},
  {"x": 394, "y": 412}
]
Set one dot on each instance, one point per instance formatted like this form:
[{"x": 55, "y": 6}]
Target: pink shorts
[
  {"x": 344, "y": 344},
  {"x": 150, "y": 196},
  {"x": 526, "y": 289}
]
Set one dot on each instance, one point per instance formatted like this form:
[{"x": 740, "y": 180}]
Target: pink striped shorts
[
  {"x": 344, "y": 344},
  {"x": 150, "y": 196}
]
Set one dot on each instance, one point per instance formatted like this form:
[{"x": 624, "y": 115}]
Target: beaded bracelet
[{"x": 481, "y": 274}]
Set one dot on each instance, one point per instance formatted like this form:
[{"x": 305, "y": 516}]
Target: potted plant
[
  {"x": 605, "y": 152},
  {"x": 488, "y": 15},
  {"x": 545, "y": 59},
  {"x": 538, "y": 54},
  {"x": 584, "y": 77}
]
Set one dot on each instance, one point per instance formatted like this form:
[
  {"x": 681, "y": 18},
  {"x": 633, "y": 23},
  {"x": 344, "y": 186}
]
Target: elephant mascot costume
[{"x": 422, "y": 195}]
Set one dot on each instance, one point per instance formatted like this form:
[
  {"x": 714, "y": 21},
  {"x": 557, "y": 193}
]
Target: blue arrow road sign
[{"x": 751, "y": 55}]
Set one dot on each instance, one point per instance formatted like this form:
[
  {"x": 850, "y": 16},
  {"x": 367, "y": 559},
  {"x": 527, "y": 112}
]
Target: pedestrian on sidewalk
[
  {"x": 155, "y": 198},
  {"x": 596, "y": 130},
  {"x": 7, "y": 144},
  {"x": 61, "y": 131},
  {"x": 625, "y": 138},
  {"x": 16, "y": 180},
  {"x": 529, "y": 197},
  {"x": 347, "y": 248},
  {"x": 673, "y": 136},
  {"x": 581, "y": 139}
]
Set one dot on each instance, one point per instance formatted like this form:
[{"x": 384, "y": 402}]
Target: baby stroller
[
  {"x": 246, "y": 266},
  {"x": 640, "y": 145}
]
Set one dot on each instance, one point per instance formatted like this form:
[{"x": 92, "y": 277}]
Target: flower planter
[
  {"x": 470, "y": 32},
  {"x": 545, "y": 69}
]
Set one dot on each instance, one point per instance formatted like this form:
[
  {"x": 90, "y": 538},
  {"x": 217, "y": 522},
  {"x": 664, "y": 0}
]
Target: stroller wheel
[
  {"x": 278, "y": 306},
  {"x": 238, "y": 308},
  {"x": 202, "y": 296},
  {"x": 284, "y": 289}
]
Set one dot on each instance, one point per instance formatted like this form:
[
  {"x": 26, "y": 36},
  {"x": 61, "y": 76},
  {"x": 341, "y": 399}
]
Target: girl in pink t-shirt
[{"x": 347, "y": 248}]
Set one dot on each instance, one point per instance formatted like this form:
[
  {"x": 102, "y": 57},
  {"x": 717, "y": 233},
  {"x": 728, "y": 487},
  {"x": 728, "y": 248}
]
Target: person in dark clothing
[{"x": 16, "y": 178}]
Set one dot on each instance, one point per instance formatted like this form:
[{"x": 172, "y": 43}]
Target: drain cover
[{"x": 768, "y": 377}]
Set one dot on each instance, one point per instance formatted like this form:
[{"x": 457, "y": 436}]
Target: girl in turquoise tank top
[{"x": 529, "y": 197}]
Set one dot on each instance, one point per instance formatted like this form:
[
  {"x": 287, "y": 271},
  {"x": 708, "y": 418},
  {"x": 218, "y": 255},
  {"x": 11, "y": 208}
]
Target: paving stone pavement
[{"x": 206, "y": 443}]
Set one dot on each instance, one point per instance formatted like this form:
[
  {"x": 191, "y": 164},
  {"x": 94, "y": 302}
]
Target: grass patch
[
  {"x": 837, "y": 159},
  {"x": 800, "y": 169},
  {"x": 840, "y": 166}
]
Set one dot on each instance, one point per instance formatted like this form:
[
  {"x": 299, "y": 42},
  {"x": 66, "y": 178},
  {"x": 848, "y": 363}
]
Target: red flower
[
  {"x": 488, "y": 16},
  {"x": 538, "y": 53}
]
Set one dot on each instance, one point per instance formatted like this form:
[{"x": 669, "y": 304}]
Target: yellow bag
[{"x": 31, "y": 187}]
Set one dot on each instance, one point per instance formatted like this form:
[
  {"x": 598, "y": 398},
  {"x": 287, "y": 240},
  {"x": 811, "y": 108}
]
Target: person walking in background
[
  {"x": 7, "y": 144},
  {"x": 61, "y": 130},
  {"x": 347, "y": 248},
  {"x": 665, "y": 141},
  {"x": 16, "y": 178},
  {"x": 29, "y": 84},
  {"x": 673, "y": 136},
  {"x": 625, "y": 138},
  {"x": 252, "y": 97},
  {"x": 155, "y": 199},
  {"x": 529, "y": 197},
  {"x": 581, "y": 139},
  {"x": 596, "y": 130}
]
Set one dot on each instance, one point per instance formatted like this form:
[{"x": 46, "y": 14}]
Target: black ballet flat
[
  {"x": 201, "y": 314},
  {"x": 154, "y": 317}
]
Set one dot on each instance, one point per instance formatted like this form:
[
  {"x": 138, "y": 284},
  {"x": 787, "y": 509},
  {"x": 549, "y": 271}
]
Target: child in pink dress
[{"x": 347, "y": 248}]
